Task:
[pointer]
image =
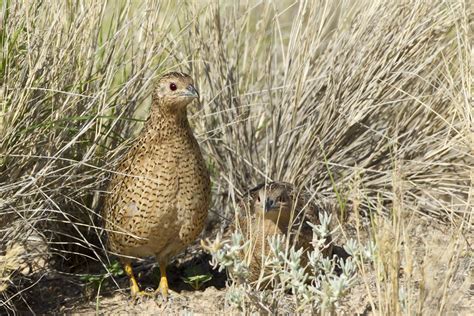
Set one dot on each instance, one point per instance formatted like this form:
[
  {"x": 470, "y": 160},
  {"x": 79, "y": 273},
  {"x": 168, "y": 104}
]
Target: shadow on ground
[{"x": 58, "y": 293}]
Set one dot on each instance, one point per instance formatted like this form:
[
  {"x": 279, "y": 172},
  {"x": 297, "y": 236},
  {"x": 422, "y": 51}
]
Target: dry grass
[{"x": 367, "y": 101}]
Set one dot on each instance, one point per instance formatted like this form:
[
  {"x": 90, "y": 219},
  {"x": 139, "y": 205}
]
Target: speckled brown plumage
[
  {"x": 160, "y": 193},
  {"x": 277, "y": 208}
]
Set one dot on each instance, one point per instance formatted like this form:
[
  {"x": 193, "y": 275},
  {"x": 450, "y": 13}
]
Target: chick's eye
[
  {"x": 173, "y": 86},
  {"x": 258, "y": 198}
]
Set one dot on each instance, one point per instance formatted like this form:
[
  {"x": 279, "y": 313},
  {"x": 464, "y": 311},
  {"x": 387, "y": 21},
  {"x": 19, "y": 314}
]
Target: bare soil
[{"x": 58, "y": 293}]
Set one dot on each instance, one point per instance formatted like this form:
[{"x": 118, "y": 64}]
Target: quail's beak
[
  {"x": 269, "y": 204},
  {"x": 190, "y": 92}
]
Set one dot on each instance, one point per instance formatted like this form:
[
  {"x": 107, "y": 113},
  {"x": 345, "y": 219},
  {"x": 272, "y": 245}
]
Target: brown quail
[
  {"x": 277, "y": 208},
  {"x": 160, "y": 193}
]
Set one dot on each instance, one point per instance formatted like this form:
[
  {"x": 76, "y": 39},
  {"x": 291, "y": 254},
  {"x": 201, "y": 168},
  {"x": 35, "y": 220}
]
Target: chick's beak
[
  {"x": 190, "y": 92},
  {"x": 269, "y": 204}
]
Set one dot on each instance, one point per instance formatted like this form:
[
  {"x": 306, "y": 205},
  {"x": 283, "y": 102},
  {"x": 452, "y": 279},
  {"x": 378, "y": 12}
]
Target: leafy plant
[
  {"x": 96, "y": 281},
  {"x": 195, "y": 277},
  {"x": 196, "y": 281}
]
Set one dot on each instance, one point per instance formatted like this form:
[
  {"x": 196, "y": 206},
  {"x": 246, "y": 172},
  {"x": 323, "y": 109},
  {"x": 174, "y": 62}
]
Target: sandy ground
[{"x": 429, "y": 243}]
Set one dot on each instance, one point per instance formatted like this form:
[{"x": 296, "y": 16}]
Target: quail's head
[
  {"x": 175, "y": 90},
  {"x": 274, "y": 202}
]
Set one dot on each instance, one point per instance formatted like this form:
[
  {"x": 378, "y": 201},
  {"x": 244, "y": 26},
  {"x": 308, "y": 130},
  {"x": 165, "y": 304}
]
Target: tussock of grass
[
  {"x": 335, "y": 97},
  {"x": 347, "y": 91},
  {"x": 72, "y": 77}
]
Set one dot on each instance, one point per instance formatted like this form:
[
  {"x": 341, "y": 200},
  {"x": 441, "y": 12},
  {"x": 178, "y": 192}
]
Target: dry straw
[{"x": 336, "y": 97}]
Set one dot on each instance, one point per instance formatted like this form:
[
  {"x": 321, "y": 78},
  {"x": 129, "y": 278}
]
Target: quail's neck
[
  {"x": 167, "y": 122},
  {"x": 281, "y": 219}
]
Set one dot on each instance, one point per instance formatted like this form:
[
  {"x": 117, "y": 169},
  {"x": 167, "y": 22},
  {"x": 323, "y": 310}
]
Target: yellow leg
[
  {"x": 163, "y": 287},
  {"x": 134, "y": 288}
]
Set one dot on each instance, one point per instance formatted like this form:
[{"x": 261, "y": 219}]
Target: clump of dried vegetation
[{"x": 361, "y": 101}]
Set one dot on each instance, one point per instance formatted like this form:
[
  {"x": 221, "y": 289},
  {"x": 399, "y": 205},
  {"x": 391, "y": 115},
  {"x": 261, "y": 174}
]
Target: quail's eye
[
  {"x": 173, "y": 86},
  {"x": 258, "y": 199}
]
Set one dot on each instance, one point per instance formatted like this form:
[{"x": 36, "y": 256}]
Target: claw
[{"x": 135, "y": 289}]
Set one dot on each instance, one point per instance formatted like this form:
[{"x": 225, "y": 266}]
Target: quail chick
[
  {"x": 277, "y": 208},
  {"x": 160, "y": 193}
]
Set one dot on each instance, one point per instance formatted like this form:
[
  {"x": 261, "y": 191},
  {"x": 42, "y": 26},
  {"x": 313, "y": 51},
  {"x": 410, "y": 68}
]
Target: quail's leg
[
  {"x": 134, "y": 288},
  {"x": 163, "y": 287}
]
